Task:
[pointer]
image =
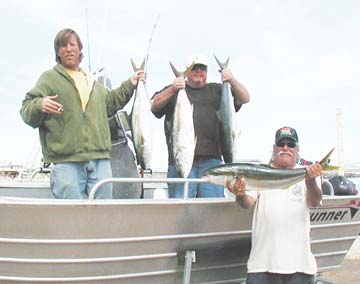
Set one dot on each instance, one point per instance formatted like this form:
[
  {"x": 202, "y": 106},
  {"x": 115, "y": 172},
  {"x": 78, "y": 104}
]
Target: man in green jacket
[{"x": 71, "y": 110}]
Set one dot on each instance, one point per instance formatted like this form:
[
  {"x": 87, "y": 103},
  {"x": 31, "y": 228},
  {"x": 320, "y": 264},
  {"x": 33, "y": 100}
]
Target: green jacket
[{"x": 74, "y": 135}]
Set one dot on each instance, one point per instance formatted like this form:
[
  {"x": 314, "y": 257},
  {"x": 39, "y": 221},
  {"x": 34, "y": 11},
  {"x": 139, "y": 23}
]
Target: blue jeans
[
  {"x": 176, "y": 190},
  {"x": 75, "y": 180}
]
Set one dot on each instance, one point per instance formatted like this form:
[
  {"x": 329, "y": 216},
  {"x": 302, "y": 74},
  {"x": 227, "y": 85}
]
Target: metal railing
[{"x": 185, "y": 181}]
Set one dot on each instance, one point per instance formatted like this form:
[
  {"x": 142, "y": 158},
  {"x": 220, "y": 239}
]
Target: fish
[
  {"x": 141, "y": 116},
  {"x": 226, "y": 116},
  {"x": 183, "y": 132},
  {"x": 261, "y": 176}
]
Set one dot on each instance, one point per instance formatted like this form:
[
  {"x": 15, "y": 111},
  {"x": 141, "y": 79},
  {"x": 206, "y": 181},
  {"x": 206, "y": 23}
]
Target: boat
[
  {"x": 139, "y": 238},
  {"x": 204, "y": 240}
]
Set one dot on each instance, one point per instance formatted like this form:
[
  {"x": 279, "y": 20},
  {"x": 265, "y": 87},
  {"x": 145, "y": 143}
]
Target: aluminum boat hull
[
  {"x": 145, "y": 240},
  {"x": 132, "y": 241}
]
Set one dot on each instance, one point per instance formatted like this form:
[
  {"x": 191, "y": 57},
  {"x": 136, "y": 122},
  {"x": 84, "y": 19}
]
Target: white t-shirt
[{"x": 281, "y": 232}]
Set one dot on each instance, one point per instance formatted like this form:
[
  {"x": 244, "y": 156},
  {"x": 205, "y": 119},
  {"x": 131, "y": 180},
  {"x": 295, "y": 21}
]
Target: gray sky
[{"x": 299, "y": 59}]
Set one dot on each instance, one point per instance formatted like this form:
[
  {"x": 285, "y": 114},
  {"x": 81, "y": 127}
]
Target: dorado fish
[
  {"x": 141, "y": 123},
  {"x": 226, "y": 116},
  {"x": 260, "y": 176},
  {"x": 183, "y": 133}
]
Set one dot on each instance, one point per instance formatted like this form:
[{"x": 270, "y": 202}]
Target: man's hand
[
  {"x": 50, "y": 105},
  {"x": 227, "y": 76},
  {"x": 179, "y": 83},
  {"x": 138, "y": 76},
  {"x": 314, "y": 170},
  {"x": 314, "y": 192},
  {"x": 237, "y": 186}
]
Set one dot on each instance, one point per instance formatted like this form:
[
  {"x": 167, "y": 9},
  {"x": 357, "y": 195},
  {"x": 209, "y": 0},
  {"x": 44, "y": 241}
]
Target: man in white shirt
[{"x": 280, "y": 251}]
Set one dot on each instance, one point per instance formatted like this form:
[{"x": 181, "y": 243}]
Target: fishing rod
[
  {"x": 145, "y": 66},
  {"x": 149, "y": 44},
  {"x": 88, "y": 40}
]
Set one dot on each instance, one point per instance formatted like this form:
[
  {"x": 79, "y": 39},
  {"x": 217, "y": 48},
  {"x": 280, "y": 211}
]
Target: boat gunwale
[{"x": 173, "y": 201}]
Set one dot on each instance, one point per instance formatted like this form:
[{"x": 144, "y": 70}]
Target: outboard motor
[
  {"x": 327, "y": 187},
  {"x": 122, "y": 158},
  {"x": 343, "y": 186}
]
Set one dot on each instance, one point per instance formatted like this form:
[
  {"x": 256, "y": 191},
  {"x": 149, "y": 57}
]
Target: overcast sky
[{"x": 299, "y": 59}]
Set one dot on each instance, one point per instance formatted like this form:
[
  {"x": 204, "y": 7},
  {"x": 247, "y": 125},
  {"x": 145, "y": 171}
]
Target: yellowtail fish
[
  {"x": 183, "y": 133},
  {"x": 226, "y": 116},
  {"x": 141, "y": 123},
  {"x": 261, "y": 176}
]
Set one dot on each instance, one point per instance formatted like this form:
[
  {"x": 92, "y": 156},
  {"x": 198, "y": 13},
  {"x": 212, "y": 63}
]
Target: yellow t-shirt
[{"x": 82, "y": 85}]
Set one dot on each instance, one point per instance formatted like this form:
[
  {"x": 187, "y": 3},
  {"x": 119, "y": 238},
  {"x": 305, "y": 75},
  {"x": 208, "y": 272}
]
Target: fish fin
[
  {"x": 235, "y": 143},
  {"x": 187, "y": 71},
  {"x": 329, "y": 168},
  {"x": 325, "y": 162},
  {"x": 222, "y": 65},
  {"x": 237, "y": 135},
  {"x": 177, "y": 73},
  {"x": 218, "y": 115}
]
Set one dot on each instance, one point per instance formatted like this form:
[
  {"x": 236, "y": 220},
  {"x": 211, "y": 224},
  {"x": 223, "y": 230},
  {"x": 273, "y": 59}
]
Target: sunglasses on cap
[
  {"x": 200, "y": 67},
  {"x": 290, "y": 144}
]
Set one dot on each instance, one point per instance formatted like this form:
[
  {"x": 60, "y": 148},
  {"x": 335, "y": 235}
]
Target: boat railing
[
  {"x": 39, "y": 171},
  {"x": 185, "y": 181}
]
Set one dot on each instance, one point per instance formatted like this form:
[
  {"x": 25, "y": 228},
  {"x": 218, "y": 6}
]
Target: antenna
[
  {"x": 88, "y": 41},
  {"x": 148, "y": 49},
  {"x": 104, "y": 24},
  {"x": 340, "y": 140}
]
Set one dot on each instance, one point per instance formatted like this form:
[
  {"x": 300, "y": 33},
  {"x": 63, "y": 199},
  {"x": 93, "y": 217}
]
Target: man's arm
[
  {"x": 119, "y": 97},
  {"x": 40, "y": 101},
  {"x": 161, "y": 99},
  {"x": 313, "y": 191},
  {"x": 238, "y": 89}
]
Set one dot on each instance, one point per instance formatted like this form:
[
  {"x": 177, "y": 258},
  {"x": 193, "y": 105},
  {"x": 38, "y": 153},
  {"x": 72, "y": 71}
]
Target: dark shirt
[{"x": 206, "y": 102}]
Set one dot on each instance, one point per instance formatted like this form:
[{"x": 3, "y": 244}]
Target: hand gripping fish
[
  {"x": 261, "y": 176},
  {"x": 141, "y": 123},
  {"x": 183, "y": 133},
  {"x": 226, "y": 116}
]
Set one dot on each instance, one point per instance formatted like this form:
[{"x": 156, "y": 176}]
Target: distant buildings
[{"x": 10, "y": 171}]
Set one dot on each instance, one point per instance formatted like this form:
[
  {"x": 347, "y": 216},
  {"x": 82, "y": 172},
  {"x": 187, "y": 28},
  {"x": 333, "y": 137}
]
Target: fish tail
[
  {"x": 178, "y": 73},
  {"x": 137, "y": 68},
  {"x": 325, "y": 162},
  {"x": 222, "y": 65}
]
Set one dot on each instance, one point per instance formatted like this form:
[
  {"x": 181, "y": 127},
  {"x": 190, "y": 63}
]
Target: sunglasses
[
  {"x": 199, "y": 67},
  {"x": 290, "y": 144}
]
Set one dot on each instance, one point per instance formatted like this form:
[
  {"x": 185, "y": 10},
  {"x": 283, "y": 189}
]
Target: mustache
[{"x": 285, "y": 152}]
